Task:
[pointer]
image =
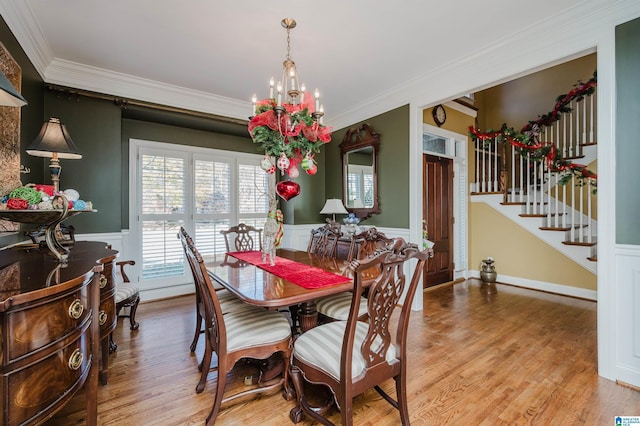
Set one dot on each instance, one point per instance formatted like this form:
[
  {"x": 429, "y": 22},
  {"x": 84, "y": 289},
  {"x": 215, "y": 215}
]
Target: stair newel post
[
  {"x": 548, "y": 200},
  {"x": 573, "y": 210},
  {"x": 565, "y": 219},
  {"x": 590, "y": 189},
  {"x": 504, "y": 173},
  {"x": 581, "y": 213}
]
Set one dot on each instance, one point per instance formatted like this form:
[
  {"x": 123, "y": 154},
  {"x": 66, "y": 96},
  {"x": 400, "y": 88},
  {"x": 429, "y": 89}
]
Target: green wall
[
  {"x": 393, "y": 168},
  {"x": 627, "y": 131},
  {"x": 94, "y": 126}
]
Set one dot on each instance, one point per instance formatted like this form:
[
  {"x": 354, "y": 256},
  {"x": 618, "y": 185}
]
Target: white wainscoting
[{"x": 627, "y": 289}]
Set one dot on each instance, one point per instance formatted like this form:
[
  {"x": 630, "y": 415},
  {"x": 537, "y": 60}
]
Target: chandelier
[{"x": 288, "y": 125}]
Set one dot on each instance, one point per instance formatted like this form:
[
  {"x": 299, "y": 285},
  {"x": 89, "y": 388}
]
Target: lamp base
[{"x": 333, "y": 224}]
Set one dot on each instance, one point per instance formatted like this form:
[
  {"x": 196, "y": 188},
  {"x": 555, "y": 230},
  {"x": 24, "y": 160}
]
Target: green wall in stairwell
[{"x": 627, "y": 130}]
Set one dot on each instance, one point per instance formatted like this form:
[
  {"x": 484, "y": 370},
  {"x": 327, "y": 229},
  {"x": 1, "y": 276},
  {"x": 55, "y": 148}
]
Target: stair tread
[
  {"x": 550, "y": 228},
  {"x": 577, "y": 243},
  {"x": 561, "y": 228},
  {"x": 486, "y": 193}
]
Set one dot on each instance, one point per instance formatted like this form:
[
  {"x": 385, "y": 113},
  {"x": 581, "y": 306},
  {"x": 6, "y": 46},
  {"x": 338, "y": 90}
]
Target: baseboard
[
  {"x": 147, "y": 295},
  {"x": 564, "y": 290}
]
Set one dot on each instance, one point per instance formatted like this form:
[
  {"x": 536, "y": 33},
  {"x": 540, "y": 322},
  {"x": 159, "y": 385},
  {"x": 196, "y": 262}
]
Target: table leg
[{"x": 308, "y": 316}]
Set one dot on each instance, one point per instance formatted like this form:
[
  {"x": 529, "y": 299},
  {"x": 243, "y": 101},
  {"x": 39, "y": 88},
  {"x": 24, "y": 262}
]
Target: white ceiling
[{"x": 212, "y": 56}]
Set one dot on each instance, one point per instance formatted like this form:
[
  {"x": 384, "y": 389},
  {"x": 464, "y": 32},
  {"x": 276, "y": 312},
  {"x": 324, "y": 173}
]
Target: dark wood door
[{"x": 437, "y": 212}]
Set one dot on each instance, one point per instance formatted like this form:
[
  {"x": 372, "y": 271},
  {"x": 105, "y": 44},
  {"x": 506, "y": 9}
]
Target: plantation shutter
[{"x": 162, "y": 213}]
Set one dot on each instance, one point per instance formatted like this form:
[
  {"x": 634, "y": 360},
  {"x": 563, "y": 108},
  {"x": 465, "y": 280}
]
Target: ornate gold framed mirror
[{"x": 359, "y": 152}]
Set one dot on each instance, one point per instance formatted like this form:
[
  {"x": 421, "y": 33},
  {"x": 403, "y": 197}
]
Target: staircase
[{"x": 538, "y": 177}]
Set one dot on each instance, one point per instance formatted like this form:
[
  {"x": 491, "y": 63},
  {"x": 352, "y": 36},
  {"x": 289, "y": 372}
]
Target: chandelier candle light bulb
[{"x": 279, "y": 93}]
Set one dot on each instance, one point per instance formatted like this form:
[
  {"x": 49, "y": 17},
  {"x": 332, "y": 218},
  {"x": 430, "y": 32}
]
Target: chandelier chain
[{"x": 288, "y": 43}]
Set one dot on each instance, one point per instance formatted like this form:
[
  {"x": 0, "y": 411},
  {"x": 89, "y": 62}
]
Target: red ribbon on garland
[{"x": 551, "y": 157}]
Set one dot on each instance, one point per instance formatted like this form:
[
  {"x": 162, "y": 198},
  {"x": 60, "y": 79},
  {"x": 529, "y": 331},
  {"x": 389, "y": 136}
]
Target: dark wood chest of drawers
[{"x": 50, "y": 330}]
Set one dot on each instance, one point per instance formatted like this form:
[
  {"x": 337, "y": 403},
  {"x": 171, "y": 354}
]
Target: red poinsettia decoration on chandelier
[{"x": 289, "y": 133}]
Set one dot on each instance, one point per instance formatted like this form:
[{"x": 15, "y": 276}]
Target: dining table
[{"x": 296, "y": 279}]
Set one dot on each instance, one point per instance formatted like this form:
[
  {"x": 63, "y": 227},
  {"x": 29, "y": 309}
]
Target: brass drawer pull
[
  {"x": 103, "y": 281},
  {"x": 75, "y": 360},
  {"x": 102, "y": 317},
  {"x": 76, "y": 309}
]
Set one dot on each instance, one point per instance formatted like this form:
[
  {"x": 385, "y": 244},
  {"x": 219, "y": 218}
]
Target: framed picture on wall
[{"x": 9, "y": 136}]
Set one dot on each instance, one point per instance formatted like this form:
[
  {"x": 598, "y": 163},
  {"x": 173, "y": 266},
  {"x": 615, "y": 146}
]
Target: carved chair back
[
  {"x": 324, "y": 241},
  {"x": 366, "y": 243},
  {"x": 243, "y": 237}
]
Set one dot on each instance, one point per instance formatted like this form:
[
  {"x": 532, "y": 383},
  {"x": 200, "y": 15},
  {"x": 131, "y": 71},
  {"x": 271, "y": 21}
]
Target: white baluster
[
  {"x": 548, "y": 195},
  {"x": 513, "y": 174},
  {"x": 581, "y": 212},
  {"x": 571, "y": 146},
  {"x": 573, "y": 210},
  {"x": 591, "y": 138},
  {"x": 477, "y": 184},
  {"x": 496, "y": 167}
]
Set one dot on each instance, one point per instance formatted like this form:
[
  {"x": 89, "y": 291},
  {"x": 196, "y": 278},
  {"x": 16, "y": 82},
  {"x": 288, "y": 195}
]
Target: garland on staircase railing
[{"x": 527, "y": 139}]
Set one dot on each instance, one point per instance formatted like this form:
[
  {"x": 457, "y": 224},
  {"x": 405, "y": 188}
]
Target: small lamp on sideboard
[
  {"x": 54, "y": 142},
  {"x": 333, "y": 206}
]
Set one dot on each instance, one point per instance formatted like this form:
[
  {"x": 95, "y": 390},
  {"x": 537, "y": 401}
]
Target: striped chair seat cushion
[
  {"x": 124, "y": 291},
  {"x": 230, "y": 303},
  {"x": 321, "y": 347},
  {"x": 255, "y": 327},
  {"x": 337, "y": 306}
]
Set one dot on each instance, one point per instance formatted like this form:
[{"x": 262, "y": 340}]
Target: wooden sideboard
[
  {"x": 50, "y": 330},
  {"x": 107, "y": 314}
]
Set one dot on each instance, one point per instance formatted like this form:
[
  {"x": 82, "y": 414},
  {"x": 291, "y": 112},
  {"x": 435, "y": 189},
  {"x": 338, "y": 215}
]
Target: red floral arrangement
[{"x": 292, "y": 137}]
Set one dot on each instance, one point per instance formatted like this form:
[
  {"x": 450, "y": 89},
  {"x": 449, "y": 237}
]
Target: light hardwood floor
[{"x": 518, "y": 357}]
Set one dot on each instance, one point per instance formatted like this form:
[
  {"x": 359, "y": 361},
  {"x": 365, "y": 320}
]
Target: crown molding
[
  {"x": 19, "y": 19},
  {"x": 75, "y": 75}
]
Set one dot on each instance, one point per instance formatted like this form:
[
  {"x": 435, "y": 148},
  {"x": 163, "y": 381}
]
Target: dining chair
[
  {"x": 336, "y": 307},
  {"x": 350, "y": 357},
  {"x": 242, "y": 237},
  {"x": 228, "y": 303},
  {"x": 256, "y": 333},
  {"x": 127, "y": 295},
  {"x": 324, "y": 241}
]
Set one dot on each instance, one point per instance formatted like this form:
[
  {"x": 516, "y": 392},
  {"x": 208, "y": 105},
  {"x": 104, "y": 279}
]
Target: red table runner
[{"x": 298, "y": 273}]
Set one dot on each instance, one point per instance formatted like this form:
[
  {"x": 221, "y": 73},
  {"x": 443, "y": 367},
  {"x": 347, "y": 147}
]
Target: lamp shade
[
  {"x": 333, "y": 206},
  {"x": 54, "y": 139},
  {"x": 9, "y": 96}
]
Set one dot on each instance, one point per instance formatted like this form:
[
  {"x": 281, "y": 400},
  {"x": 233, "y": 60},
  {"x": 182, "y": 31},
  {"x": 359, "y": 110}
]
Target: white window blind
[{"x": 163, "y": 197}]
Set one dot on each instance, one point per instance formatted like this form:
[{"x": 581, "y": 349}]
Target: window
[
  {"x": 204, "y": 190},
  {"x": 360, "y": 184}
]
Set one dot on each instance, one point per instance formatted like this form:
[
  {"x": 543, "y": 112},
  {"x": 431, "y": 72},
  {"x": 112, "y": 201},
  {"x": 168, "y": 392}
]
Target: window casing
[{"x": 204, "y": 190}]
